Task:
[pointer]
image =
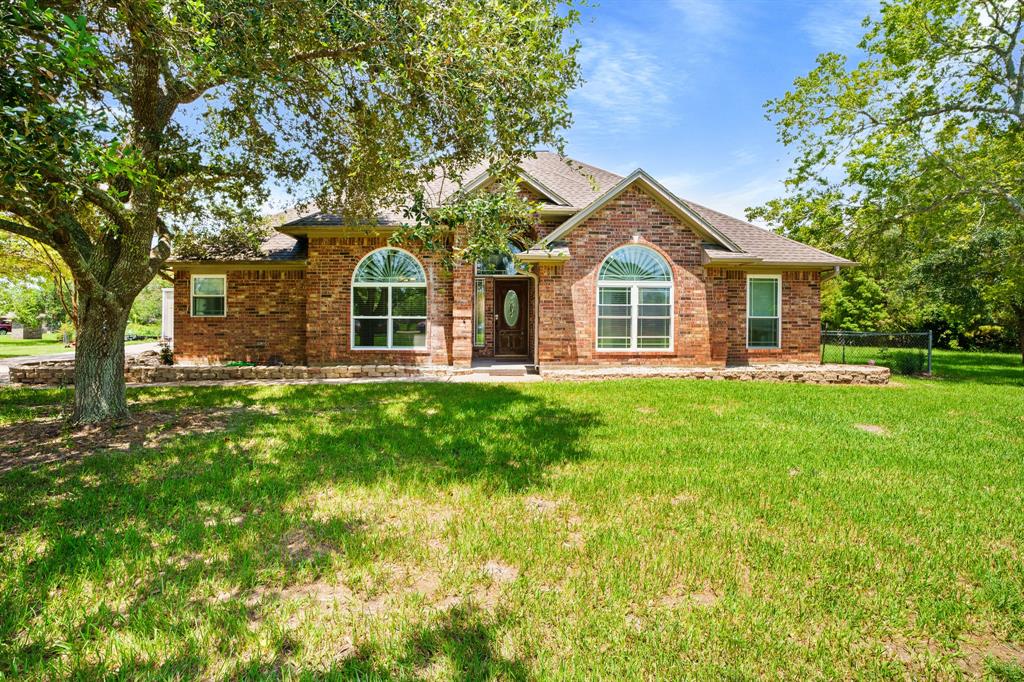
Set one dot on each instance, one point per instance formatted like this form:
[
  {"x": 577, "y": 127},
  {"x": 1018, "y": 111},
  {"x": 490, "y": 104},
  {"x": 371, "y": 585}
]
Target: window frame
[
  {"x": 390, "y": 317},
  {"x": 634, "y": 287},
  {"x": 192, "y": 294},
  {"x": 778, "y": 311},
  {"x": 479, "y": 325}
]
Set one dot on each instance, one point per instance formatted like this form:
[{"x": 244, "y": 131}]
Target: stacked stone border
[{"x": 62, "y": 374}]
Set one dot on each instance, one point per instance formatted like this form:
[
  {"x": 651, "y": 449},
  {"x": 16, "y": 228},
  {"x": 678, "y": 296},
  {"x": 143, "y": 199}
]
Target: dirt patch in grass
[
  {"x": 680, "y": 597},
  {"x": 540, "y": 505},
  {"x": 873, "y": 428},
  {"x": 49, "y": 439},
  {"x": 911, "y": 653},
  {"x": 297, "y": 545},
  {"x": 501, "y": 573},
  {"x": 400, "y": 583},
  {"x": 977, "y": 649}
]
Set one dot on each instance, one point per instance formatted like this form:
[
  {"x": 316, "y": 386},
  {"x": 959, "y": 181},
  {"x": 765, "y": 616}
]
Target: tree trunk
[
  {"x": 99, "y": 362},
  {"x": 1019, "y": 310}
]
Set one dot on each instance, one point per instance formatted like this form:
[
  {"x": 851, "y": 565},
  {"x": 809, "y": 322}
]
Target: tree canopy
[
  {"x": 909, "y": 161},
  {"x": 128, "y": 123}
]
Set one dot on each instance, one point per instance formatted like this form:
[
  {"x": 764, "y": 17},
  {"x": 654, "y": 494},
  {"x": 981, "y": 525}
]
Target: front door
[{"x": 511, "y": 314}]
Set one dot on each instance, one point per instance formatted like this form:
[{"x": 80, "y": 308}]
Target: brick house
[{"x": 619, "y": 271}]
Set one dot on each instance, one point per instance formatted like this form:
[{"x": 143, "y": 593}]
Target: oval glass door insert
[{"x": 511, "y": 307}]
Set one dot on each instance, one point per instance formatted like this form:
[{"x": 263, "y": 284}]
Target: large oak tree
[
  {"x": 910, "y": 161},
  {"x": 126, "y": 122}
]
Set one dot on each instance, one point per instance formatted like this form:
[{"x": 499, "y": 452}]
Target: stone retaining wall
[
  {"x": 58, "y": 373},
  {"x": 804, "y": 374}
]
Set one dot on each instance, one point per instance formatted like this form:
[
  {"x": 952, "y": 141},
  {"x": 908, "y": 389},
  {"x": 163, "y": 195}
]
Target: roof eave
[
  {"x": 543, "y": 257},
  {"x": 783, "y": 265},
  {"x": 333, "y": 229},
  {"x": 227, "y": 264}
]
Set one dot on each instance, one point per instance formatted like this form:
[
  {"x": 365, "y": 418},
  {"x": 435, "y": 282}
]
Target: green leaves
[
  {"x": 469, "y": 227},
  {"x": 915, "y": 150}
]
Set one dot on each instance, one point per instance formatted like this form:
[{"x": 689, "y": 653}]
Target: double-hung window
[
  {"x": 389, "y": 302},
  {"x": 209, "y": 295},
  {"x": 634, "y": 301},
  {"x": 764, "y": 304}
]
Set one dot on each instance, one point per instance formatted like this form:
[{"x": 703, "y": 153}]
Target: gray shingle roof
[
  {"x": 280, "y": 246},
  {"x": 766, "y": 245},
  {"x": 580, "y": 184}
]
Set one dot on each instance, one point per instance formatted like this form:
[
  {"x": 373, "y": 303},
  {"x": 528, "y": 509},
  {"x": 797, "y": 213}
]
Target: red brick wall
[
  {"x": 567, "y": 292},
  {"x": 266, "y": 319},
  {"x": 801, "y": 318},
  {"x": 304, "y": 317},
  {"x": 710, "y": 306},
  {"x": 331, "y": 263}
]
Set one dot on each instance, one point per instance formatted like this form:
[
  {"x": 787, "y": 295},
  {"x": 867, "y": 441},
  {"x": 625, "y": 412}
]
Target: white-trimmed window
[
  {"x": 764, "y": 311},
  {"x": 209, "y": 296},
  {"x": 634, "y": 301},
  {"x": 389, "y": 302}
]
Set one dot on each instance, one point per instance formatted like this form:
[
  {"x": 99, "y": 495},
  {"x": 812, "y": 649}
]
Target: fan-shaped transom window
[
  {"x": 635, "y": 264},
  {"x": 634, "y": 301},
  {"x": 390, "y": 265},
  {"x": 389, "y": 302}
]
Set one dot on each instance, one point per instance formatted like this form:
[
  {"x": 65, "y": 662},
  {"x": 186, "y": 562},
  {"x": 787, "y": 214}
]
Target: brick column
[{"x": 462, "y": 315}]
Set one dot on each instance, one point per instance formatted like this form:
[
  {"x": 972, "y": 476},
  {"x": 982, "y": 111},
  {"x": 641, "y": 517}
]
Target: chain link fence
[{"x": 901, "y": 352}]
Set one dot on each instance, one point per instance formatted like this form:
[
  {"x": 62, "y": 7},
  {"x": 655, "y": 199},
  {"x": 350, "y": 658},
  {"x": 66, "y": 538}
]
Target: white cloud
[
  {"x": 753, "y": 192},
  {"x": 624, "y": 85},
  {"x": 836, "y": 26},
  {"x": 704, "y": 17},
  {"x": 723, "y": 190}
]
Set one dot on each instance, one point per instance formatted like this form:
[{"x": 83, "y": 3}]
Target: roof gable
[
  {"x": 485, "y": 179},
  {"x": 641, "y": 178}
]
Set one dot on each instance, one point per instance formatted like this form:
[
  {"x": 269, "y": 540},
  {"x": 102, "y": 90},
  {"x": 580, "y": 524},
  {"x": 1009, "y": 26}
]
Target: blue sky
[{"x": 677, "y": 88}]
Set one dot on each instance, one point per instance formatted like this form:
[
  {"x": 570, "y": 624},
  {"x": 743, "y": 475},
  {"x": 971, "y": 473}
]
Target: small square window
[{"x": 209, "y": 296}]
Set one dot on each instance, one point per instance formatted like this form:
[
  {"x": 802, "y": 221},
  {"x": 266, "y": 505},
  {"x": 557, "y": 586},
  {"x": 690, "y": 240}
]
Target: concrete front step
[{"x": 505, "y": 370}]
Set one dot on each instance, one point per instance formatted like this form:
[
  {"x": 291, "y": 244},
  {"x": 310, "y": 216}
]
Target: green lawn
[
  {"x": 615, "y": 530},
  {"x": 50, "y": 343}
]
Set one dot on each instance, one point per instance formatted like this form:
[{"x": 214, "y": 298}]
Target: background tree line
[{"x": 910, "y": 162}]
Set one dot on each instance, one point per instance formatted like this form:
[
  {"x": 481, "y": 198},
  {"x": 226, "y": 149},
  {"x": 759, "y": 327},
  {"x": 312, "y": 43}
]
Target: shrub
[
  {"x": 166, "y": 353},
  {"x": 908, "y": 362}
]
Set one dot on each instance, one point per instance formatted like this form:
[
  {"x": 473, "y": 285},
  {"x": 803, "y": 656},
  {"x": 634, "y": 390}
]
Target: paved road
[{"x": 7, "y": 363}]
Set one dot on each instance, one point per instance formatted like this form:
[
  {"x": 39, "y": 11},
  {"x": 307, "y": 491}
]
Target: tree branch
[{"x": 27, "y": 231}]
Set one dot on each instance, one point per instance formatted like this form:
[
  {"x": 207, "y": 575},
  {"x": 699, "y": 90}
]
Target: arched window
[
  {"x": 389, "y": 301},
  {"x": 634, "y": 300}
]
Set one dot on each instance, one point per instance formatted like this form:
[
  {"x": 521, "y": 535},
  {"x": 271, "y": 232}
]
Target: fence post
[
  {"x": 929, "y": 352},
  {"x": 843, "y": 337}
]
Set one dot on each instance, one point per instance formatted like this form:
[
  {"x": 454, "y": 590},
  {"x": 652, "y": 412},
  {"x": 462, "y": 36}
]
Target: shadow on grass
[
  {"x": 457, "y": 645},
  {"x": 985, "y": 368},
  {"x": 229, "y": 506}
]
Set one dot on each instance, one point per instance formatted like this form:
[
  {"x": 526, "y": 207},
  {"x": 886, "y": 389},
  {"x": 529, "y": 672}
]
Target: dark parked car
[{"x": 5, "y": 325}]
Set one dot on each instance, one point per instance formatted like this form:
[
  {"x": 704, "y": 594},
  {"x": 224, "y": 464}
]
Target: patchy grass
[{"x": 621, "y": 529}]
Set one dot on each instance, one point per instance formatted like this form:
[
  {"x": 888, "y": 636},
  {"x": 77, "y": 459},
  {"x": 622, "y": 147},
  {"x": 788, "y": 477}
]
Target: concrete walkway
[{"x": 7, "y": 363}]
